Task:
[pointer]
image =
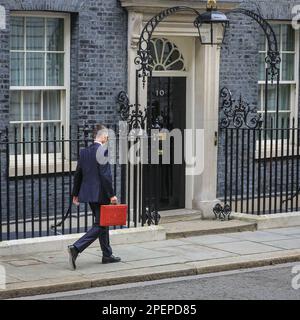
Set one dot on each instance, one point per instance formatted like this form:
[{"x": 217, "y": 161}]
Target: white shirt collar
[{"x": 98, "y": 142}]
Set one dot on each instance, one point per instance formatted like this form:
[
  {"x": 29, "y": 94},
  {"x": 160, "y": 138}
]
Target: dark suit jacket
[{"x": 92, "y": 180}]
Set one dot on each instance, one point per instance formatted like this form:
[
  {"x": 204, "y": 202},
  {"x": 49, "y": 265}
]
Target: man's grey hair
[{"x": 100, "y": 130}]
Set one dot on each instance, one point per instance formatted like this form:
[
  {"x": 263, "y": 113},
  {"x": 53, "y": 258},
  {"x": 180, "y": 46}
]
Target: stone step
[
  {"x": 183, "y": 229},
  {"x": 179, "y": 215},
  {"x": 180, "y": 218}
]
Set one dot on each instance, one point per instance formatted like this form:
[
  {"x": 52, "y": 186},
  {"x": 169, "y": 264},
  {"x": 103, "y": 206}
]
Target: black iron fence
[
  {"x": 36, "y": 180},
  {"x": 261, "y": 168},
  {"x": 261, "y": 176}
]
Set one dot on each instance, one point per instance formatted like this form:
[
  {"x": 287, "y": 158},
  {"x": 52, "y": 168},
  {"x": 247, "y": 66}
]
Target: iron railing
[
  {"x": 36, "y": 180},
  {"x": 260, "y": 169}
]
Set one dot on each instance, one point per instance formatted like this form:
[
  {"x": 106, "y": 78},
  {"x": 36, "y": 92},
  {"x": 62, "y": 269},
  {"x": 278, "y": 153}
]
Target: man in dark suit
[{"x": 93, "y": 185}]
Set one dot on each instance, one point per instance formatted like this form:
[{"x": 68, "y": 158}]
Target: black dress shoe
[
  {"x": 110, "y": 259},
  {"x": 73, "y": 254}
]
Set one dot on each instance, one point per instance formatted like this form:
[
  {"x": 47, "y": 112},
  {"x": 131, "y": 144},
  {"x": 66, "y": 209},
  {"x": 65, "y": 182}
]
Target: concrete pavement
[{"x": 49, "y": 271}]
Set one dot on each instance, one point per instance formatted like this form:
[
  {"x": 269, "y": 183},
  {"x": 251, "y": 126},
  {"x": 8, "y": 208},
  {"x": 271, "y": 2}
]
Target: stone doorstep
[
  {"x": 270, "y": 221},
  {"x": 180, "y": 218},
  {"x": 30, "y": 288},
  {"x": 169, "y": 216},
  {"x": 58, "y": 243},
  {"x": 206, "y": 227}
]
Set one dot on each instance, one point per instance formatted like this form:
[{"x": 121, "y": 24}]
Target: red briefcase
[{"x": 113, "y": 215}]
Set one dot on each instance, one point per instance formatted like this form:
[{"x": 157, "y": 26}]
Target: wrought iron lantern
[{"x": 212, "y": 25}]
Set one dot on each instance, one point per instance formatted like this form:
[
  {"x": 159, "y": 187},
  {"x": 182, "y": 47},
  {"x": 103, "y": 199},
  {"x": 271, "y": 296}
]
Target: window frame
[
  {"x": 64, "y": 90},
  {"x": 294, "y": 95}
]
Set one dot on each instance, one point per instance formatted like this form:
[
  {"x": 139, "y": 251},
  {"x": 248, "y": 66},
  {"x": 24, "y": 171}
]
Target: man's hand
[
  {"x": 113, "y": 200},
  {"x": 76, "y": 201}
]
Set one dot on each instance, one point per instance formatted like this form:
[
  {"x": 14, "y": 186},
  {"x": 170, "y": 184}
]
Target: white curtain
[
  {"x": 32, "y": 106},
  {"x": 17, "y": 33},
  {"x": 55, "y": 34},
  {"x": 55, "y": 69},
  {"x": 51, "y": 105},
  {"x": 35, "y": 33},
  {"x": 35, "y": 69}
]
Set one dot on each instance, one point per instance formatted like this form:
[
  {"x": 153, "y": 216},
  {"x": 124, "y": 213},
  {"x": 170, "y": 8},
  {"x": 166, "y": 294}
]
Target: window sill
[
  {"x": 280, "y": 153},
  {"x": 36, "y": 169}
]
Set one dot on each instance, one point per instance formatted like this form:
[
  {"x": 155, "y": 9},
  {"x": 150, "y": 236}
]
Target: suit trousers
[{"x": 97, "y": 231}]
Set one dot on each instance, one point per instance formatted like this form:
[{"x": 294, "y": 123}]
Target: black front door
[{"x": 168, "y": 99}]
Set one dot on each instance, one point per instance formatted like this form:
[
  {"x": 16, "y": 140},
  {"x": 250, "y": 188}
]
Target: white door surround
[{"x": 202, "y": 73}]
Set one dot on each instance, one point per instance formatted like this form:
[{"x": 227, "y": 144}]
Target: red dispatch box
[{"x": 113, "y": 215}]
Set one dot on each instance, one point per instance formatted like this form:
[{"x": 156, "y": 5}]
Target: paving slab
[
  {"x": 246, "y": 261},
  {"x": 51, "y": 257},
  {"x": 258, "y": 236},
  {"x": 210, "y": 239},
  {"x": 157, "y": 262},
  {"x": 38, "y": 272},
  {"x": 88, "y": 269},
  {"x": 162, "y": 244},
  {"x": 25, "y": 262},
  {"x": 244, "y": 247},
  {"x": 196, "y": 252},
  {"x": 289, "y": 231},
  {"x": 285, "y": 244},
  {"x": 134, "y": 253}
]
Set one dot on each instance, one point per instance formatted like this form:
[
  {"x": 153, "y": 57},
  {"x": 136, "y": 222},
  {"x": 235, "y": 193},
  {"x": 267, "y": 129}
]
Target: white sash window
[
  {"x": 39, "y": 74},
  {"x": 288, "y": 43}
]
